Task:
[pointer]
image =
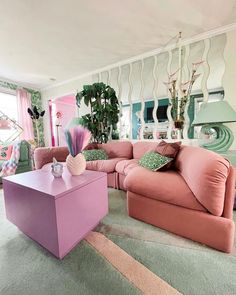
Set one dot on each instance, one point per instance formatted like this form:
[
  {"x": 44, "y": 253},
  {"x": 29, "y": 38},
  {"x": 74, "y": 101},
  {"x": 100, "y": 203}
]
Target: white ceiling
[{"x": 60, "y": 39}]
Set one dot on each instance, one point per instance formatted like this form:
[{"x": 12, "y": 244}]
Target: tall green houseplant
[{"x": 104, "y": 110}]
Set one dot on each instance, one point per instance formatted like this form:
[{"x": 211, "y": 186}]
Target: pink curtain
[{"x": 24, "y": 120}]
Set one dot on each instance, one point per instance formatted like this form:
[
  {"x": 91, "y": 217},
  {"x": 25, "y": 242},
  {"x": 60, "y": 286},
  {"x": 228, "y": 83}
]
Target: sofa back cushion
[
  {"x": 44, "y": 155},
  {"x": 142, "y": 147},
  {"x": 206, "y": 173},
  {"x": 117, "y": 149}
]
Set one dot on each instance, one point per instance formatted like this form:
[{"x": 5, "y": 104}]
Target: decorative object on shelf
[
  {"x": 212, "y": 115},
  {"x": 58, "y": 125},
  {"x": 12, "y": 128},
  {"x": 104, "y": 115},
  {"x": 35, "y": 116},
  {"x": 180, "y": 90},
  {"x": 77, "y": 139},
  {"x": 57, "y": 169}
]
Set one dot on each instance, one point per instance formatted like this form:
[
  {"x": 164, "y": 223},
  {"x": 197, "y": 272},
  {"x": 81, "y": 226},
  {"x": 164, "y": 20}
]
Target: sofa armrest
[
  {"x": 230, "y": 194},
  {"x": 45, "y": 155}
]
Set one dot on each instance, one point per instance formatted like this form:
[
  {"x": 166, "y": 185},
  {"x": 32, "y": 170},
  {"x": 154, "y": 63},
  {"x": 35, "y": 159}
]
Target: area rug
[
  {"x": 133, "y": 270},
  {"x": 124, "y": 256},
  {"x": 189, "y": 267},
  {"x": 94, "y": 266}
]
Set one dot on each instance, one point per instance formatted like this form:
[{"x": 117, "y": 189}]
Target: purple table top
[{"x": 44, "y": 181}]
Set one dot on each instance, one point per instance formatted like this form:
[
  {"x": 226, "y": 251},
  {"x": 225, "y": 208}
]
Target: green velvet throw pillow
[
  {"x": 154, "y": 161},
  {"x": 93, "y": 155}
]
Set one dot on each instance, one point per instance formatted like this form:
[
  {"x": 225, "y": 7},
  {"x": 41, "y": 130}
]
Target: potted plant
[
  {"x": 180, "y": 97},
  {"x": 104, "y": 110},
  {"x": 35, "y": 116}
]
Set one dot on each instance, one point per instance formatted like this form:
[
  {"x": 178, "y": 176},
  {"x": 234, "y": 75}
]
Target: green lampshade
[
  {"x": 215, "y": 112},
  {"x": 74, "y": 122},
  {"x": 211, "y": 116}
]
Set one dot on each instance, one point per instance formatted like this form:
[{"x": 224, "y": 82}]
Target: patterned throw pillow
[
  {"x": 154, "y": 161},
  {"x": 5, "y": 152},
  {"x": 93, "y": 155}
]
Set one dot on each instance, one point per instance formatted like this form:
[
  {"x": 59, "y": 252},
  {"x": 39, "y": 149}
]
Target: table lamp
[{"x": 212, "y": 115}]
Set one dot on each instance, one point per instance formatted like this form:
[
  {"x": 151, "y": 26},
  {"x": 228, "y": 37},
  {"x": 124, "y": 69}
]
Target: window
[{"x": 8, "y": 105}]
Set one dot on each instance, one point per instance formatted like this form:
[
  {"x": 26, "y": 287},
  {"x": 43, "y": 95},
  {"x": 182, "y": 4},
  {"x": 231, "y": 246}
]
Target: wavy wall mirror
[{"x": 147, "y": 105}]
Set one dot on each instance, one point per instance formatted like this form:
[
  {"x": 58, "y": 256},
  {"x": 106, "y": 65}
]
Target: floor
[{"x": 191, "y": 268}]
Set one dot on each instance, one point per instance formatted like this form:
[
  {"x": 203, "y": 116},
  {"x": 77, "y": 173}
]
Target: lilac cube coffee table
[{"x": 56, "y": 212}]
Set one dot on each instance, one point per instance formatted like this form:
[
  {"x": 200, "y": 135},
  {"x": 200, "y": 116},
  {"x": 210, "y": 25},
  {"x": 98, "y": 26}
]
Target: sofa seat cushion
[
  {"x": 123, "y": 167},
  {"x": 206, "y": 173},
  {"x": 107, "y": 166},
  {"x": 167, "y": 186}
]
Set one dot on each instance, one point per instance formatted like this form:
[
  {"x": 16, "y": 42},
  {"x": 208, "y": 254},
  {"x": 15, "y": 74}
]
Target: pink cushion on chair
[
  {"x": 107, "y": 166},
  {"x": 168, "y": 187},
  {"x": 206, "y": 173},
  {"x": 125, "y": 166}
]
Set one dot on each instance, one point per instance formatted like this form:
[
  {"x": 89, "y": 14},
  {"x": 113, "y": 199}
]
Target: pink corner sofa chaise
[{"x": 194, "y": 199}]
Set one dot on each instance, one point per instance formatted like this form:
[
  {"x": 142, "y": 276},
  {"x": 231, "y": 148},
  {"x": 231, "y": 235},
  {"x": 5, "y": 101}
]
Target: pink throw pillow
[
  {"x": 91, "y": 146},
  {"x": 5, "y": 152},
  {"x": 168, "y": 149}
]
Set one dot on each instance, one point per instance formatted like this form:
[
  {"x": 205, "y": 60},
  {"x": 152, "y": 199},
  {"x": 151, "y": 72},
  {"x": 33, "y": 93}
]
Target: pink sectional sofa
[{"x": 194, "y": 199}]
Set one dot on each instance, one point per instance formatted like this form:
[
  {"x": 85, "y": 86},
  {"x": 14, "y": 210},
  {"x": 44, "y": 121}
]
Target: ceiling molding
[
  {"x": 19, "y": 84},
  {"x": 199, "y": 37}
]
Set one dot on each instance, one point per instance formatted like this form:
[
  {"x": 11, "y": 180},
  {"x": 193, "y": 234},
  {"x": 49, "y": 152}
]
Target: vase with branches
[
  {"x": 104, "y": 110},
  {"x": 180, "y": 95}
]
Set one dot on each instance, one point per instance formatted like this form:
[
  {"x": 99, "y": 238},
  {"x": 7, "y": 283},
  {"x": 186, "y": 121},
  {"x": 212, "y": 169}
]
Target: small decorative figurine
[{"x": 57, "y": 169}]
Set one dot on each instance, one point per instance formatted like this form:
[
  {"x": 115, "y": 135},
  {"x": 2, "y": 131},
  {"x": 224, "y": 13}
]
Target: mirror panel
[{"x": 145, "y": 101}]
